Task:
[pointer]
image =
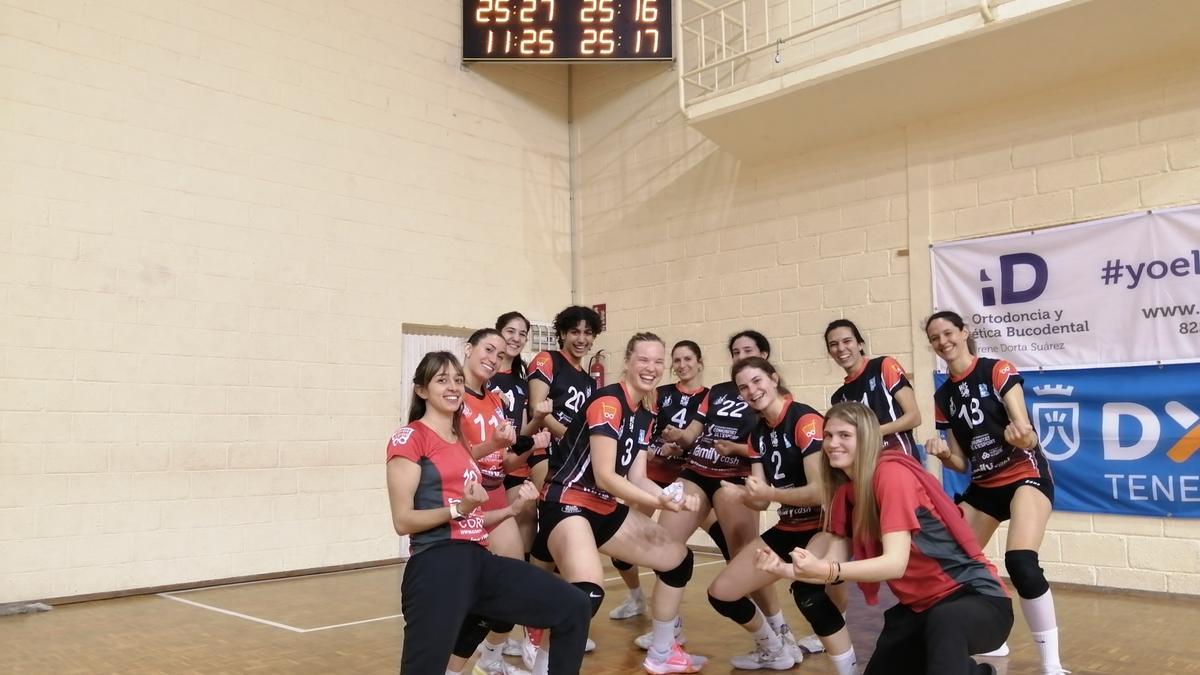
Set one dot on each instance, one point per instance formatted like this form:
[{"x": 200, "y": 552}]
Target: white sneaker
[
  {"x": 500, "y": 667},
  {"x": 589, "y": 646},
  {"x": 643, "y": 641},
  {"x": 809, "y": 644},
  {"x": 760, "y": 658},
  {"x": 1002, "y": 650},
  {"x": 512, "y": 647},
  {"x": 529, "y": 652},
  {"x": 675, "y": 661},
  {"x": 628, "y": 609}
]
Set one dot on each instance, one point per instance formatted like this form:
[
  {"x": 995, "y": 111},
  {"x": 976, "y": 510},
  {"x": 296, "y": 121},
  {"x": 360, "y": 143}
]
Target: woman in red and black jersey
[
  {"x": 452, "y": 583},
  {"x": 878, "y": 383},
  {"x": 904, "y": 530},
  {"x": 982, "y": 405},
  {"x": 600, "y": 459},
  {"x": 677, "y": 404},
  {"x": 717, "y": 453},
  {"x": 560, "y": 379},
  {"x": 785, "y": 448},
  {"x": 489, "y": 434},
  {"x": 510, "y": 383}
]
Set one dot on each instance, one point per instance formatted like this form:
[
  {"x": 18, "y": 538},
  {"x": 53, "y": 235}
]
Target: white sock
[
  {"x": 662, "y": 636},
  {"x": 453, "y": 672},
  {"x": 490, "y": 653},
  {"x": 1043, "y": 625},
  {"x": 776, "y": 621},
  {"x": 1046, "y": 642},
  {"x": 635, "y": 594},
  {"x": 767, "y": 639},
  {"x": 541, "y": 664},
  {"x": 844, "y": 663}
]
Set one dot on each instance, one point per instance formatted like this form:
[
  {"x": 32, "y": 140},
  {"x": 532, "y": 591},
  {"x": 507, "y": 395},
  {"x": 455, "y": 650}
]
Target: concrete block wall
[
  {"x": 692, "y": 240},
  {"x": 215, "y": 216}
]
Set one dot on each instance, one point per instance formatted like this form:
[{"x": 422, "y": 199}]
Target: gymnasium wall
[
  {"x": 215, "y": 215},
  {"x": 694, "y": 241}
]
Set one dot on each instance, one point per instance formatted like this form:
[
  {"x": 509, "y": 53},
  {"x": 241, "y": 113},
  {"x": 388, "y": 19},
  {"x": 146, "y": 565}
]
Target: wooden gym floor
[{"x": 347, "y": 622}]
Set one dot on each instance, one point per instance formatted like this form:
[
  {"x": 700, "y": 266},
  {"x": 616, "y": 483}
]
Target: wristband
[{"x": 522, "y": 445}]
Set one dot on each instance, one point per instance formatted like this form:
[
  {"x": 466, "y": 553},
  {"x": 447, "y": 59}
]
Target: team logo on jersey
[
  {"x": 667, "y": 401},
  {"x": 610, "y": 412},
  {"x": 499, "y": 413},
  {"x": 720, "y": 399},
  {"x": 642, "y": 437},
  {"x": 983, "y": 390},
  {"x": 570, "y": 508},
  {"x": 401, "y": 436},
  {"x": 683, "y": 400},
  {"x": 810, "y": 429},
  {"x": 871, "y": 384},
  {"x": 964, "y": 389}
]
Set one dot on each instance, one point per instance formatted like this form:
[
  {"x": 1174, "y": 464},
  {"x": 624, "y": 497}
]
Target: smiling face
[
  {"x": 948, "y": 341},
  {"x": 757, "y": 388},
  {"x": 644, "y": 366},
  {"x": 844, "y": 348},
  {"x": 483, "y": 358},
  {"x": 685, "y": 364},
  {"x": 516, "y": 334},
  {"x": 840, "y": 443},
  {"x": 444, "y": 392},
  {"x": 577, "y": 341},
  {"x": 744, "y": 347}
]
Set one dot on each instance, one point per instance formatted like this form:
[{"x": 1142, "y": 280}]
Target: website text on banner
[
  {"x": 1121, "y": 291},
  {"x": 1119, "y": 440}
]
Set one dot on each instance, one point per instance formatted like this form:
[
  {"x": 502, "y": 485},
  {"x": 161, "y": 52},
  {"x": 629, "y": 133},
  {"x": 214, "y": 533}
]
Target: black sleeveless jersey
[
  {"x": 781, "y": 447},
  {"x": 875, "y": 386},
  {"x": 726, "y": 417},
  {"x": 676, "y": 408},
  {"x": 514, "y": 391},
  {"x": 569, "y": 386},
  {"x": 607, "y": 413},
  {"x": 972, "y": 408}
]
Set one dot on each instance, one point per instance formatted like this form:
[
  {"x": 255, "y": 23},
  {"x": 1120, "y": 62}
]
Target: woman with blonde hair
[{"x": 904, "y": 530}]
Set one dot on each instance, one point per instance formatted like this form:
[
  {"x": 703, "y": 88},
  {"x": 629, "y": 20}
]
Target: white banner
[{"x": 1121, "y": 291}]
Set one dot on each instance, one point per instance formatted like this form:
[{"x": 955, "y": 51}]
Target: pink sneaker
[{"x": 676, "y": 661}]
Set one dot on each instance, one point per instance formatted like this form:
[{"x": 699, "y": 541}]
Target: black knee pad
[
  {"x": 817, "y": 608},
  {"x": 718, "y": 537},
  {"x": 472, "y": 632},
  {"x": 678, "y": 577},
  {"x": 740, "y": 610},
  {"x": 621, "y": 565},
  {"x": 594, "y": 593},
  {"x": 1026, "y": 574}
]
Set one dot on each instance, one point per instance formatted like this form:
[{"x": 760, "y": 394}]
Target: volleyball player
[
  {"x": 719, "y": 454},
  {"x": 600, "y": 460},
  {"x": 877, "y": 383},
  {"x": 982, "y": 404},
  {"x": 489, "y": 433},
  {"x": 785, "y": 446},
  {"x": 905, "y": 531},
  {"x": 677, "y": 404},
  {"x": 450, "y": 583},
  {"x": 560, "y": 378}
]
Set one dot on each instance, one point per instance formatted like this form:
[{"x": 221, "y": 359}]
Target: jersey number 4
[{"x": 679, "y": 418}]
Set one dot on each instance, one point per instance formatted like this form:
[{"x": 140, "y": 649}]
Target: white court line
[
  {"x": 239, "y": 615},
  {"x": 293, "y": 629}
]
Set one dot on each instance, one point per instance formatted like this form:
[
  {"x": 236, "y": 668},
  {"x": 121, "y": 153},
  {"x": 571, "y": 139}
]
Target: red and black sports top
[
  {"x": 609, "y": 413},
  {"x": 444, "y": 468}
]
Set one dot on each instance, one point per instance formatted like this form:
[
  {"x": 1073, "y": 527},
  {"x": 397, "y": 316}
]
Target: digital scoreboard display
[{"x": 566, "y": 30}]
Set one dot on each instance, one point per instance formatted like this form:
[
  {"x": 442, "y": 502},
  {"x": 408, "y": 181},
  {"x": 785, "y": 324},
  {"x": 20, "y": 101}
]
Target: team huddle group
[{"x": 513, "y": 480}]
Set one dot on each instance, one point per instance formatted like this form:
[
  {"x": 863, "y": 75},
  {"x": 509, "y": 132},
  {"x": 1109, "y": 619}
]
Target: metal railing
[{"x": 728, "y": 45}]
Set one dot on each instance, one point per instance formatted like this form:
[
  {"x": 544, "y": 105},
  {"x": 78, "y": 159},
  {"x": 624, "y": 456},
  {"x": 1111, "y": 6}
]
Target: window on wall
[{"x": 417, "y": 341}]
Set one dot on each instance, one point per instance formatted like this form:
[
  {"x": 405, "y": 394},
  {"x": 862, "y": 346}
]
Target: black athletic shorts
[
  {"x": 511, "y": 482},
  {"x": 997, "y": 501},
  {"x": 550, "y": 514},
  {"x": 708, "y": 484},
  {"x": 783, "y": 541}
]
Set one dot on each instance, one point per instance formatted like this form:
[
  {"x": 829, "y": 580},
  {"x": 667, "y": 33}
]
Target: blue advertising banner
[{"x": 1119, "y": 440}]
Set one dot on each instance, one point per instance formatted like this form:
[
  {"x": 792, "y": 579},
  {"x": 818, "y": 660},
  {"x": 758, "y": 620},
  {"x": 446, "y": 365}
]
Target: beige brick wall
[
  {"x": 214, "y": 217},
  {"x": 687, "y": 239}
]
